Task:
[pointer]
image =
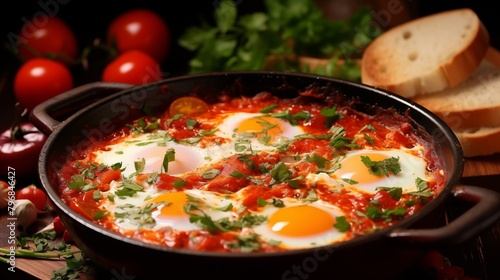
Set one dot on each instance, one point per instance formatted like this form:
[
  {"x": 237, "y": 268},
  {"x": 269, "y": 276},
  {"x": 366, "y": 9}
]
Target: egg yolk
[
  {"x": 354, "y": 169},
  {"x": 299, "y": 221},
  {"x": 175, "y": 207},
  {"x": 261, "y": 125}
]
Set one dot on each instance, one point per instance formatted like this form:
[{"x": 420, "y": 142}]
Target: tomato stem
[{"x": 97, "y": 45}]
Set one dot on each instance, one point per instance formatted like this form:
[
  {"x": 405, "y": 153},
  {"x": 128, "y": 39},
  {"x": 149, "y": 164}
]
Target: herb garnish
[
  {"x": 422, "y": 188},
  {"x": 332, "y": 115},
  {"x": 246, "y": 243},
  {"x": 376, "y": 213},
  {"x": 394, "y": 192},
  {"x": 339, "y": 140},
  {"x": 341, "y": 224},
  {"x": 382, "y": 167},
  {"x": 169, "y": 157},
  {"x": 197, "y": 216}
]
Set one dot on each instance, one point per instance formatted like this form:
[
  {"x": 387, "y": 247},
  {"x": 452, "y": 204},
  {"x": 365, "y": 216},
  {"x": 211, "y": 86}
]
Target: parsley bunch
[{"x": 287, "y": 30}]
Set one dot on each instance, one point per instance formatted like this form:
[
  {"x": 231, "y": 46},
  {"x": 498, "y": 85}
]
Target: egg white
[
  {"x": 152, "y": 147},
  {"x": 130, "y": 206},
  {"x": 412, "y": 167},
  {"x": 215, "y": 205}
]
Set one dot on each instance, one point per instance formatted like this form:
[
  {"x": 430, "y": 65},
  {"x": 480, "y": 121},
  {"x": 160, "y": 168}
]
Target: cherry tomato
[
  {"x": 140, "y": 29},
  {"x": 19, "y": 152},
  {"x": 188, "y": 106},
  {"x": 132, "y": 67},
  {"x": 58, "y": 225},
  {"x": 67, "y": 237},
  {"x": 48, "y": 37},
  {"x": 35, "y": 195},
  {"x": 40, "y": 79}
]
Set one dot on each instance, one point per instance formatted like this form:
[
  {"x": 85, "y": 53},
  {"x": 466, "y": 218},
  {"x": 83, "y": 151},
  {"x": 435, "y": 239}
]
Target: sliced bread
[
  {"x": 427, "y": 54},
  {"x": 482, "y": 141},
  {"x": 472, "y": 109},
  {"x": 473, "y": 103}
]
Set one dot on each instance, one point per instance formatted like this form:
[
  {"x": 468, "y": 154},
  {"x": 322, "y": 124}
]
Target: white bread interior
[
  {"x": 427, "y": 54},
  {"x": 473, "y": 103}
]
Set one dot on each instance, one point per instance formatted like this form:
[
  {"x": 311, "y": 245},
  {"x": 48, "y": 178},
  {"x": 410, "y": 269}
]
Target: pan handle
[
  {"x": 483, "y": 214},
  {"x": 47, "y": 115}
]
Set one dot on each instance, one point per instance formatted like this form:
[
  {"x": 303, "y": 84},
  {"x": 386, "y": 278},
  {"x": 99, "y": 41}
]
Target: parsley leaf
[
  {"x": 341, "y": 224},
  {"x": 332, "y": 115},
  {"x": 382, "y": 167},
  {"x": 394, "y": 192}
]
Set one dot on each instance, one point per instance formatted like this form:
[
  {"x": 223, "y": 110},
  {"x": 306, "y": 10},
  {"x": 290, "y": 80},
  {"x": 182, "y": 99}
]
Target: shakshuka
[{"x": 254, "y": 174}]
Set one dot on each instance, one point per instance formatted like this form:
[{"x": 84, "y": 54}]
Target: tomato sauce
[{"x": 330, "y": 132}]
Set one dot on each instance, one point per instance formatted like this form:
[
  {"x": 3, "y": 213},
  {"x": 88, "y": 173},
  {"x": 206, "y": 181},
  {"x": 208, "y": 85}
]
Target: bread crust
[
  {"x": 465, "y": 62},
  {"x": 482, "y": 141},
  {"x": 378, "y": 58}
]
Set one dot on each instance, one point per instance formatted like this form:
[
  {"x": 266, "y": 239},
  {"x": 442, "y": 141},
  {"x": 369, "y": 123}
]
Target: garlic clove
[
  {"x": 25, "y": 212},
  {"x": 48, "y": 227}
]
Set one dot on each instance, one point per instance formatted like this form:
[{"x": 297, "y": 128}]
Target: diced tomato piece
[
  {"x": 166, "y": 181},
  {"x": 109, "y": 175},
  {"x": 106, "y": 177},
  {"x": 85, "y": 205}
]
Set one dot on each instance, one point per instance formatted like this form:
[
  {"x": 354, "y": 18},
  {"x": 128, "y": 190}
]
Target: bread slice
[
  {"x": 427, "y": 54},
  {"x": 472, "y": 109},
  {"x": 473, "y": 103},
  {"x": 482, "y": 141}
]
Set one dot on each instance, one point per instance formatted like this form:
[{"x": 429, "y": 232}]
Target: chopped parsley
[
  {"x": 341, "y": 224},
  {"x": 169, "y": 157},
  {"x": 331, "y": 115},
  {"x": 382, "y": 167},
  {"x": 394, "y": 192}
]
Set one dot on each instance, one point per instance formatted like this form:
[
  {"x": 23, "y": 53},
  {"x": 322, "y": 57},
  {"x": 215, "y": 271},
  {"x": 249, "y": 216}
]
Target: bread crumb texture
[{"x": 480, "y": 90}]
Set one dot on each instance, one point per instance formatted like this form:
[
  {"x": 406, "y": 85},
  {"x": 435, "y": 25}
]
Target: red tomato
[
  {"x": 140, "y": 29},
  {"x": 67, "y": 237},
  {"x": 33, "y": 194},
  {"x": 19, "y": 154},
  {"x": 58, "y": 225},
  {"x": 40, "y": 79},
  {"x": 48, "y": 37},
  {"x": 132, "y": 67}
]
